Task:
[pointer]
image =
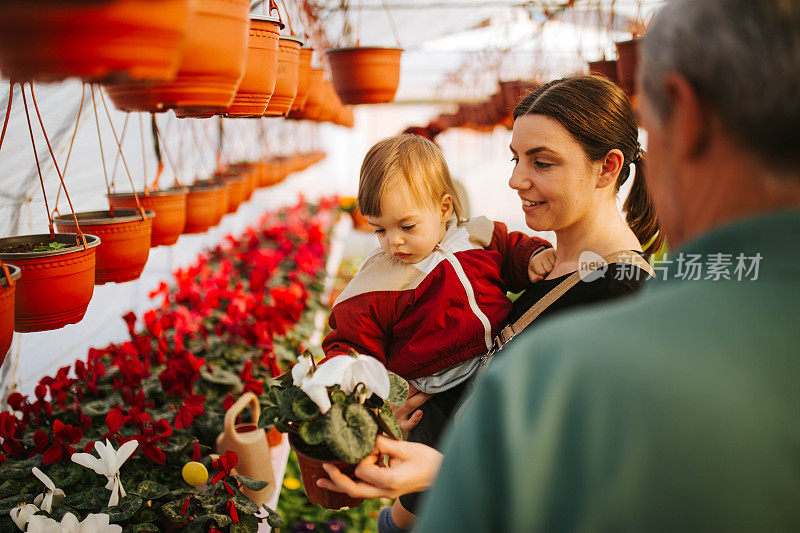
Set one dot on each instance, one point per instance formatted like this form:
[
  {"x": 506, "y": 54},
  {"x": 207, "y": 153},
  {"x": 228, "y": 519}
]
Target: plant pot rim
[
  {"x": 265, "y": 18},
  {"x": 232, "y": 178},
  {"x": 160, "y": 192},
  {"x": 293, "y": 39},
  {"x": 294, "y": 437},
  {"x": 66, "y": 238},
  {"x": 15, "y": 272},
  {"x": 206, "y": 186},
  {"x": 104, "y": 217},
  {"x": 354, "y": 48}
]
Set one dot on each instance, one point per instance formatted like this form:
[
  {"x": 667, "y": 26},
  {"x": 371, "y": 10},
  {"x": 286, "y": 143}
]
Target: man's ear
[
  {"x": 447, "y": 208},
  {"x": 610, "y": 168},
  {"x": 690, "y": 120}
]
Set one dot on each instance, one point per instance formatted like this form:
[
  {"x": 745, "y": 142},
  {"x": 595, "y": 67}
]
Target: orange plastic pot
[
  {"x": 168, "y": 205},
  {"x": 236, "y": 192},
  {"x": 365, "y": 75},
  {"x": 50, "y": 40},
  {"x": 261, "y": 70},
  {"x": 627, "y": 62},
  {"x": 313, "y": 106},
  {"x": 201, "y": 207},
  {"x": 311, "y": 470},
  {"x": 124, "y": 241},
  {"x": 304, "y": 78},
  {"x": 9, "y": 274},
  {"x": 288, "y": 77},
  {"x": 55, "y": 287},
  {"x": 331, "y": 103},
  {"x": 213, "y": 63},
  {"x": 606, "y": 68},
  {"x": 223, "y": 197}
]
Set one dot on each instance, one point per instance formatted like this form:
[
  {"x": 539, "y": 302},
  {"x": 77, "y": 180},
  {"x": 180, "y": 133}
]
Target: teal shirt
[{"x": 676, "y": 409}]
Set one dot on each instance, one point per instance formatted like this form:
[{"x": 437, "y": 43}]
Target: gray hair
[{"x": 743, "y": 59}]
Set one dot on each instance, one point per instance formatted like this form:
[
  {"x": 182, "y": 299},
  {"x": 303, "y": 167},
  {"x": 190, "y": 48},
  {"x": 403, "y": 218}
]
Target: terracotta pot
[
  {"x": 9, "y": 274},
  {"x": 346, "y": 117},
  {"x": 606, "y": 68},
  {"x": 304, "y": 78},
  {"x": 55, "y": 287},
  {"x": 124, "y": 241},
  {"x": 168, "y": 205},
  {"x": 236, "y": 192},
  {"x": 288, "y": 77},
  {"x": 223, "y": 197},
  {"x": 332, "y": 104},
  {"x": 627, "y": 63},
  {"x": 50, "y": 40},
  {"x": 213, "y": 63},
  {"x": 261, "y": 70},
  {"x": 251, "y": 446},
  {"x": 313, "y": 106},
  {"x": 365, "y": 75},
  {"x": 202, "y": 207},
  {"x": 311, "y": 470}
]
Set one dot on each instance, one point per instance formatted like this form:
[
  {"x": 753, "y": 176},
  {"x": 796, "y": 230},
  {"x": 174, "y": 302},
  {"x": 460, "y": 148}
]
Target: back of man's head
[{"x": 743, "y": 59}]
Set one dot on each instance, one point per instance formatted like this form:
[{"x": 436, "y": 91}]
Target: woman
[{"x": 574, "y": 142}]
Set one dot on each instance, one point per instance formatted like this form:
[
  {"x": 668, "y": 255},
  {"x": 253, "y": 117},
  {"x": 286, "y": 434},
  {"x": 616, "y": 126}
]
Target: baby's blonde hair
[{"x": 413, "y": 159}]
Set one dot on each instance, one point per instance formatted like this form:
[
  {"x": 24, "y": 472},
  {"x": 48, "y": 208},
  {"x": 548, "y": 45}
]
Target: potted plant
[
  {"x": 169, "y": 206},
  {"x": 261, "y": 69},
  {"x": 627, "y": 62},
  {"x": 8, "y": 278},
  {"x": 56, "y": 281},
  {"x": 304, "y": 78},
  {"x": 288, "y": 77},
  {"x": 202, "y": 206},
  {"x": 125, "y": 241},
  {"x": 51, "y": 40},
  {"x": 333, "y": 413}
]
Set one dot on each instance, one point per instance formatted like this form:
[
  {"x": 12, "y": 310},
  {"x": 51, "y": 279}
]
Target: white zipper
[{"x": 473, "y": 303}]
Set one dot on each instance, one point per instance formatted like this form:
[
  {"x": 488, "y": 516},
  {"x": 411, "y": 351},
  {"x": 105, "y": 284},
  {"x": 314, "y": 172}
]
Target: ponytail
[{"x": 640, "y": 212}]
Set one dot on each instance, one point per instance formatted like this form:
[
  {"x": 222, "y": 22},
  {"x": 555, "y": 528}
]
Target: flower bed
[{"x": 238, "y": 315}]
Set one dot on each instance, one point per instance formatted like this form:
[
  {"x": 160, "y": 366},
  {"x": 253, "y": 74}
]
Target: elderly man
[
  {"x": 687, "y": 416},
  {"x": 678, "y": 409}
]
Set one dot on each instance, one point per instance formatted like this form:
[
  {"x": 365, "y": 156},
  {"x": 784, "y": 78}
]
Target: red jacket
[{"x": 420, "y": 319}]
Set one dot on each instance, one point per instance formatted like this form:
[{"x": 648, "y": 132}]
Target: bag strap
[{"x": 512, "y": 330}]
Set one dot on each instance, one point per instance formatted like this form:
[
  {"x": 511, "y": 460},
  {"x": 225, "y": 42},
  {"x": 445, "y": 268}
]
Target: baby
[{"x": 430, "y": 299}]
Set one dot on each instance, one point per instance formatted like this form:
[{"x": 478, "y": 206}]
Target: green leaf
[
  {"x": 148, "y": 514},
  {"x": 219, "y": 376},
  {"x": 18, "y": 469},
  {"x": 92, "y": 499},
  {"x": 269, "y": 416},
  {"x": 172, "y": 510},
  {"x": 251, "y": 483},
  {"x": 65, "y": 474},
  {"x": 126, "y": 508},
  {"x": 6, "y": 504},
  {"x": 313, "y": 431},
  {"x": 304, "y": 407},
  {"x": 389, "y": 422},
  {"x": 274, "y": 520},
  {"x": 150, "y": 490},
  {"x": 221, "y": 520},
  {"x": 246, "y": 524},
  {"x": 96, "y": 408},
  {"x": 350, "y": 432},
  {"x": 398, "y": 389},
  {"x": 139, "y": 528},
  {"x": 338, "y": 396}
]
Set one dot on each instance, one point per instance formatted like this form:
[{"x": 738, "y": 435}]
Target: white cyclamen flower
[
  {"x": 302, "y": 370},
  {"x": 348, "y": 372},
  {"x": 52, "y": 496},
  {"x": 21, "y": 514},
  {"x": 108, "y": 465},
  {"x": 94, "y": 523}
]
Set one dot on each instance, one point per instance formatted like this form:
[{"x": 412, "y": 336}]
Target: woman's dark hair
[{"x": 598, "y": 115}]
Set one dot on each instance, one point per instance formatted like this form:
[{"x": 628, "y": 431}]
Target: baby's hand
[{"x": 541, "y": 264}]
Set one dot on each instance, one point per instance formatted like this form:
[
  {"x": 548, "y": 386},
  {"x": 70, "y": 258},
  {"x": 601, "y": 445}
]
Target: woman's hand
[
  {"x": 412, "y": 468},
  {"x": 541, "y": 264},
  {"x": 408, "y": 415}
]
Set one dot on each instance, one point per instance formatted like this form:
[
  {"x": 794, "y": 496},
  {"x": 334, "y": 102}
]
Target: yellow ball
[
  {"x": 194, "y": 473},
  {"x": 291, "y": 483}
]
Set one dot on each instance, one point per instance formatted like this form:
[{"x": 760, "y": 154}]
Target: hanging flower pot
[
  {"x": 50, "y": 40},
  {"x": 125, "y": 241},
  {"x": 202, "y": 207},
  {"x": 304, "y": 78},
  {"x": 8, "y": 279},
  {"x": 311, "y": 470},
  {"x": 606, "y": 68},
  {"x": 236, "y": 190},
  {"x": 57, "y": 279},
  {"x": 288, "y": 77},
  {"x": 365, "y": 75},
  {"x": 169, "y": 207},
  {"x": 312, "y": 107},
  {"x": 628, "y": 53},
  {"x": 261, "y": 70},
  {"x": 332, "y": 104},
  {"x": 213, "y": 62}
]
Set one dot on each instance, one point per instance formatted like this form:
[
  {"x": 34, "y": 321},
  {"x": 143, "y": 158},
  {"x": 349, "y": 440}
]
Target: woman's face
[{"x": 552, "y": 175}]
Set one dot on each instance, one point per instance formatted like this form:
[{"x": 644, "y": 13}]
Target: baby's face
[{"x": 406, "y": 230}]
